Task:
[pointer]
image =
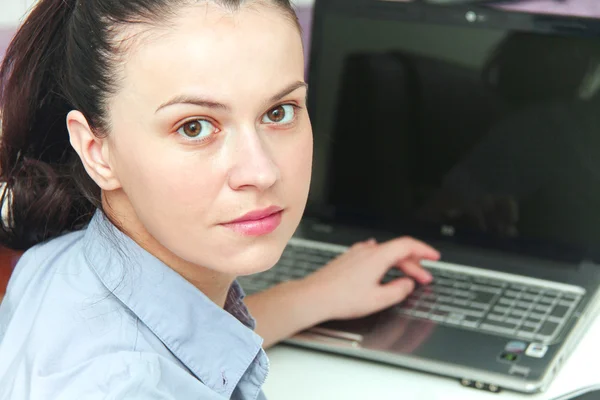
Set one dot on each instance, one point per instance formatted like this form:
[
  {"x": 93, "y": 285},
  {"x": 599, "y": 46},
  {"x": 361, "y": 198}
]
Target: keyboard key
[
  {"x": 515, "y": 321},
  {"x": 485, "y": 289},
  {"x": 500, "y": 309},
  {"x": 534, "y": 291},
  {"x": 528, "y": 328},
  {"x": 488, "y": 282},
  {"x": 444, "y": 290},
  {"x": 541, "y": 308},
  {"x": 559, "y": 311},
  {"x": 525, "y": 335},
  {"x": 444, "y": 299},
  {"x": 530, "y": 324},
  {"x": 517, "y": 314},
  {"x": 511, "y": 294},
  {"x": 535, "y": 316},
  {"x": 566, "y": 303},
  {"x": 506, "y": 302},
  {"x": 309, "y": 250},
  {"x": 424, "y": 308},
  {"x": 444, "y": 282},
  {"x": 495, "y": 317},
  {"x": 554, "y": 319},
  {"x": 518, "y": 287},
  {"x": 450, "y": 309},
  {"x": 460, "y": 302},
  {"x": 420, "y": 314},
  {"x": 462, "y": 285},
  {"x": 546, "y": 300},
  {"x": 483, "y": 297},
  {"x": 429, "y": 296},
  {"x": 461, "y": 277},
  {"x": 570, "y": 296},
  {"x": 498, "y": 327},
  {"x": 438, "y": 315},
  {"x": 455, "y": 318},
  {"x": 305, "y": 266},
  {"x": 470, "y": 321},
  {"x": 548, "y": 329},
  {"x": 479, "y": 306},
  {"x": 297, "y": 273},
  {"x": 529, "y": 297},
  {"x": 462, "y": 294},
  {"x": 439, "y": 273}
]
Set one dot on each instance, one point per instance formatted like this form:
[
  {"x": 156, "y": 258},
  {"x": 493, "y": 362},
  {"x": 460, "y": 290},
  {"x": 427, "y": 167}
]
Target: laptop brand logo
[
  {"x": 322, "y": 228},
  {"x": 448, "y": 230}
]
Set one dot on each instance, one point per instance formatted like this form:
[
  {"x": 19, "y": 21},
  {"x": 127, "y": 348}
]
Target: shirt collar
[{"x": 217, "y": 346}]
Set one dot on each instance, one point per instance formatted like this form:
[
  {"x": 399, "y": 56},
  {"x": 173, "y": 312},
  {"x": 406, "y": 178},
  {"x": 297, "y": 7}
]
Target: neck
[{"x": 213, "y": 284}]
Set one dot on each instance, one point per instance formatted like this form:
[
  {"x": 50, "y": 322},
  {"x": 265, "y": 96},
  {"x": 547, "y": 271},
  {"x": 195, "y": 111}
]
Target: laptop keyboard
[{"x": 465, "y": 300}]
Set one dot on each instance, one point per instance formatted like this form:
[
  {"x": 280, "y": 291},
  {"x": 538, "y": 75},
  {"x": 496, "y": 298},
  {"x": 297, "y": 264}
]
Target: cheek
[
  {"x": 296, "y": 166},
  {"x": 167, "y": 182}
]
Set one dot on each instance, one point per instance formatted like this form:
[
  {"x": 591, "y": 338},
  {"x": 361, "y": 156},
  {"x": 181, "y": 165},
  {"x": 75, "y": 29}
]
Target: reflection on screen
[{"x": 490, "y": 133}]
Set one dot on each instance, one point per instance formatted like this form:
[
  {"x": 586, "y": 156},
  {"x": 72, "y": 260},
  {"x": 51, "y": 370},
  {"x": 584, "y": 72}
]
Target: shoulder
[
  {"x": 57, "y": 314},
  {"x": 118, "y": 375}
]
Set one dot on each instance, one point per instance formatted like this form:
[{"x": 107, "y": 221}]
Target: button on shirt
[{"x": 92, "y": 315}]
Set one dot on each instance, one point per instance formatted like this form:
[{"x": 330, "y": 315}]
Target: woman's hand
[{"x": 349, "y": 286}]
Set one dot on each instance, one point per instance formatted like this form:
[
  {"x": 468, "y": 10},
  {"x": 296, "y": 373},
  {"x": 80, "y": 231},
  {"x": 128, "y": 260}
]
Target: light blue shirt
[{"x": 92, "y": 315}]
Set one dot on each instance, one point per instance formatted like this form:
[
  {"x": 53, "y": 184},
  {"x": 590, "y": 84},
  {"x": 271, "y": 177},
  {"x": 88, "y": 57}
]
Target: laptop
[{"x": 477, "y": 131}]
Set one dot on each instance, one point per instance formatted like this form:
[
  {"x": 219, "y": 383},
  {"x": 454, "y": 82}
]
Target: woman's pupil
[
  {"x": 193, "y": 129},
  {"x": 277, "y": 114}
]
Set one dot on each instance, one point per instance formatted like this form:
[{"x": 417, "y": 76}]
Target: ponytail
[{"x": 40, "y": 197}]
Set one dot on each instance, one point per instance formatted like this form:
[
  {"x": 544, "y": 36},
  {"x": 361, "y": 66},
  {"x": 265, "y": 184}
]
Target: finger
[
  {"x": 359, "y": 245},
  {"x": 394, "y": 292},
  {"x": 394, "y": 251},
  {"x": 413, "y": 268}
]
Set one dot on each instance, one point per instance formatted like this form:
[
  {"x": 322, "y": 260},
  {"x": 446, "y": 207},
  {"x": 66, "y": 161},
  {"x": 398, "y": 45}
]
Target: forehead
[{"x": 212, "y": 49}]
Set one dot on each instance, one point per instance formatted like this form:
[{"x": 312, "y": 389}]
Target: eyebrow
[{"x": 208, "y": 103}]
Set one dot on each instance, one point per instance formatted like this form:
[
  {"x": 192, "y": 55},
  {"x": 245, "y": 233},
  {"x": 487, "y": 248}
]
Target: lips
[{"x": 258, "y": 222}]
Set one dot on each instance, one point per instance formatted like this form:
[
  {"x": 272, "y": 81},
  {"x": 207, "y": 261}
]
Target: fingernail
[{"x": 428, "y": 276}]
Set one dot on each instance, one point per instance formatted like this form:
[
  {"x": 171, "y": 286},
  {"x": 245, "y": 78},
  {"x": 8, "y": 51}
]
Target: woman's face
[{"x": 210, "y": 124}]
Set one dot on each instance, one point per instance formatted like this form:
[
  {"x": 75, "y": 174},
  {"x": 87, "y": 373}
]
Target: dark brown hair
[{"x": 62, "y": 58}]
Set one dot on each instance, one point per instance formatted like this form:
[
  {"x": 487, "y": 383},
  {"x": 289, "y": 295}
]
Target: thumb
[{"x": 395, "y": 291}]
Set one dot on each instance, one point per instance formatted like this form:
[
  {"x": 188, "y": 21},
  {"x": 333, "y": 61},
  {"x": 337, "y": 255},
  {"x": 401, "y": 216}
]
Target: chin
[
  {"x": 257, "y": 257},
  {"x": 250, "y": 264}
]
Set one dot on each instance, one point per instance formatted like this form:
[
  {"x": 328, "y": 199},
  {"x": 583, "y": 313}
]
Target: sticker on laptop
[
  {"x": 509, "y": 357},
  {"x": 515, "y": 346},
  {"x": 536, "y": 350}
]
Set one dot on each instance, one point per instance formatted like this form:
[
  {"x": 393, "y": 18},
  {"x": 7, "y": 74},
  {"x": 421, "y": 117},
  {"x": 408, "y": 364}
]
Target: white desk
[{"x": 298, "y": 374}]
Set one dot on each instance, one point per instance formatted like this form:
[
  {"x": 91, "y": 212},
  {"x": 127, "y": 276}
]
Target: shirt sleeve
[{"x": 118, "y": 376}]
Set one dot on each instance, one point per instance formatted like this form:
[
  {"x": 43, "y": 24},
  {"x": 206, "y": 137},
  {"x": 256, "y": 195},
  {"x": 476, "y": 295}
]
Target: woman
[{"x": 188, "y": 165}]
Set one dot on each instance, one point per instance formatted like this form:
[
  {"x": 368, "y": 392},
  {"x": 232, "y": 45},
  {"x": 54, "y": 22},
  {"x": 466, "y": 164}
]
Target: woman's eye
[
  {"x": 197, "y": 129},
  {"x": 283, "y": 114}
]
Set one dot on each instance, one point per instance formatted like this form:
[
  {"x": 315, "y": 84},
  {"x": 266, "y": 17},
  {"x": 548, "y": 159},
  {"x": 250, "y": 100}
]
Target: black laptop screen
[{"x": 456, "y": 130}]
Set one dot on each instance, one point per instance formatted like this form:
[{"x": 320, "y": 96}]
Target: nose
[{"x": 253, "y": 165}]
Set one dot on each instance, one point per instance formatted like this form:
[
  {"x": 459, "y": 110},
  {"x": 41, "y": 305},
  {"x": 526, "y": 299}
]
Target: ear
[{"x": 93, "y": 151}]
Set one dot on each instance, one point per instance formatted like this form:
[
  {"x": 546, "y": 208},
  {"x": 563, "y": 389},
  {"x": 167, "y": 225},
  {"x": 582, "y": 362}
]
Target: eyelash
[{"x": 296, "y": 108}]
